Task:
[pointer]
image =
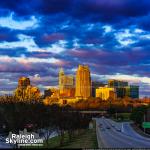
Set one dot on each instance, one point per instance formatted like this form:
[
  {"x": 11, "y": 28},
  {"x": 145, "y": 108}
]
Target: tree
[{"x": 137, "y": 114}]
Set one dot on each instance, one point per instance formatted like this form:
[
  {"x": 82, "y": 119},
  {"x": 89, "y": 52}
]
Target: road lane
[
  {"x": 136, "y": 141},
  {"x": 114, "y": 139},
  {"x": 128, "y": 130},
  {"x": 122, "y": 140}
]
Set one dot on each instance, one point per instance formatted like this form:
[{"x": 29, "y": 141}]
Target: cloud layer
[{"x": 40, "y": 36}]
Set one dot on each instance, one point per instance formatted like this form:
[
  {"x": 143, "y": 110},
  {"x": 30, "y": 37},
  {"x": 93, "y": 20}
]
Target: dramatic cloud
[{"x": 40, "y": 36}]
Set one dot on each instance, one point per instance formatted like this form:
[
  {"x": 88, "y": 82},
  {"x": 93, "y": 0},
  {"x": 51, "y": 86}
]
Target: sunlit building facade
[
  {"x": 117, "y": 89},
  {"x": 66, "y": 84},
  {"x": 106, "y": 93},
  {"x": 23, "y": 82},
  {"x": 25, "y": 91},
  {"x": 54, "y": 92},
  {"x": 95, "y": 85},
  {"x": 83, "y": 82}
]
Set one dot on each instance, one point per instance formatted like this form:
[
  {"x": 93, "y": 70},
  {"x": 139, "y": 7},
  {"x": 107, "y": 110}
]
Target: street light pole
[
  {"x": 144, "y": 121},
  {"x": 116, "y": 115}
]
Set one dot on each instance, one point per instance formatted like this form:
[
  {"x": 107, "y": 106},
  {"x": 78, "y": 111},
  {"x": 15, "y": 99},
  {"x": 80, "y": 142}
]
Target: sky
[{"x": 39, "y": 37}]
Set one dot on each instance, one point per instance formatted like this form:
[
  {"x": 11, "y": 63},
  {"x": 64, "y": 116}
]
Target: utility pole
[{"x": 144, "y": 121}]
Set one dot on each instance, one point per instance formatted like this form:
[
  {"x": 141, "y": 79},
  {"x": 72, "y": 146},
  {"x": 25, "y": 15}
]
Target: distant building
[
  {"x": 66, "y": 84},
  {"x": 32, "y": 93},
  {"x": 132, "y": 91},
  {"x": 117, "y": 83},
  {"x": 96, "y": 85},
  {"x": 83, "y": 82},
  {"x": 25, "y": 91},
  {"x": 123, "y": 89},
  {"x": 23, "y": 82},
  {"x": 120, "y": 92},
  {"x": 106, "y": 93},
  {"x": 117, "y": 89},
  {"x": 55, "y": 92}
]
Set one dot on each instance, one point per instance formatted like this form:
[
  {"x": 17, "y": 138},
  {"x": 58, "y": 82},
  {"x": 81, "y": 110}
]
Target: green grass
[
  {"x": 55, "y": 141},
  {"x": 85, "y": 139}
]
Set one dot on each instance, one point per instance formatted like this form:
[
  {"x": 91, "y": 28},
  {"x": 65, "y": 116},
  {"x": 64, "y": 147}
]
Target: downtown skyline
[{"x": 39, "y": 37}]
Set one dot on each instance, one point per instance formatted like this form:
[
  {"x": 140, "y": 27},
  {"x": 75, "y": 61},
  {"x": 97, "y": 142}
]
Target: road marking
[
  {"x": 122, "y": 127},
  {"x": 119, "y": 139},
  {"x": 136, "y": 140}
]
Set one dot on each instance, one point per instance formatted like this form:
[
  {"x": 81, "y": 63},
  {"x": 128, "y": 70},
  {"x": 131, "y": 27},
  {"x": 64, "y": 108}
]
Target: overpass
[{"x": 93, "y": 113}]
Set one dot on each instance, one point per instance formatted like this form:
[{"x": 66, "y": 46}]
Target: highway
[
  {"x": 3, "y": 144},
  {"x": 112, "y": 134}
]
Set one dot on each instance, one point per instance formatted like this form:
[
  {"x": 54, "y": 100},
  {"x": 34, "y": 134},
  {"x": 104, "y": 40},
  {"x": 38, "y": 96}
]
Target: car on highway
[
  {"x": 100, "y": 124},
  {"x": 119, "y": 130},
  {"x": 108, "y": 127},
  {"x": 113, "y": 125},
  {"x": 102, "y": 129}
]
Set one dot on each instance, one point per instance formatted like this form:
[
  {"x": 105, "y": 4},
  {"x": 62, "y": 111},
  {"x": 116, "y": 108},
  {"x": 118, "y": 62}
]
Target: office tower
[
  {"x": 119, "y": 87},
  {"x": 66, "y": 84},
  {"x": 117, "y": 83},
  {"x": 54, "y": 92},
  {"x": 106, "y": 93},
  {"x": 95, "y": 85},
  {"x": 83, "y": 82},
  {"x": 25, "y": 91},
  {"x": 23, "y": 82},
  {"x": 132, "y": 91},
  {"x": 61, "y": 79}
]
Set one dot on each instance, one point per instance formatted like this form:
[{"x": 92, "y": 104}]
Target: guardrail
[{"x": 99, "y": 139}]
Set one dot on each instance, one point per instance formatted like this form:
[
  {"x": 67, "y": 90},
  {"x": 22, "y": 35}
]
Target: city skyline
[
  {"x": 39, "y": 37},
  {"x": 78, "y": 86}
]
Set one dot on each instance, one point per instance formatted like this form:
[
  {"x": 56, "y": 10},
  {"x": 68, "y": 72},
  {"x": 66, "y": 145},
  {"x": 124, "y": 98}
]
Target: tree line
[
  {"x": 37, "y": 117},
  {"x": 141, "y": 114}
]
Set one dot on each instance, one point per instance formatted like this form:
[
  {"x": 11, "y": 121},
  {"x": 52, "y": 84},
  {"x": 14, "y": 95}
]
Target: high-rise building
[
  {"x": 132, "y": 91},
  {"x": 120, "y": 91},
  {"x": 23, "y": 82},
  {"x": 25, "y": 91},
  {"x": 61, "y": 79},
  {"x": 83, "y": 82},
  {"x": 66, "y": 84},
  {"x": 54, "y": 92},
  {"x": 117, "y": 83},
  {"x": 117, "y": 89},
  {"x": 106, "y": 93},
  {"x": 95, "y": 85}
]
